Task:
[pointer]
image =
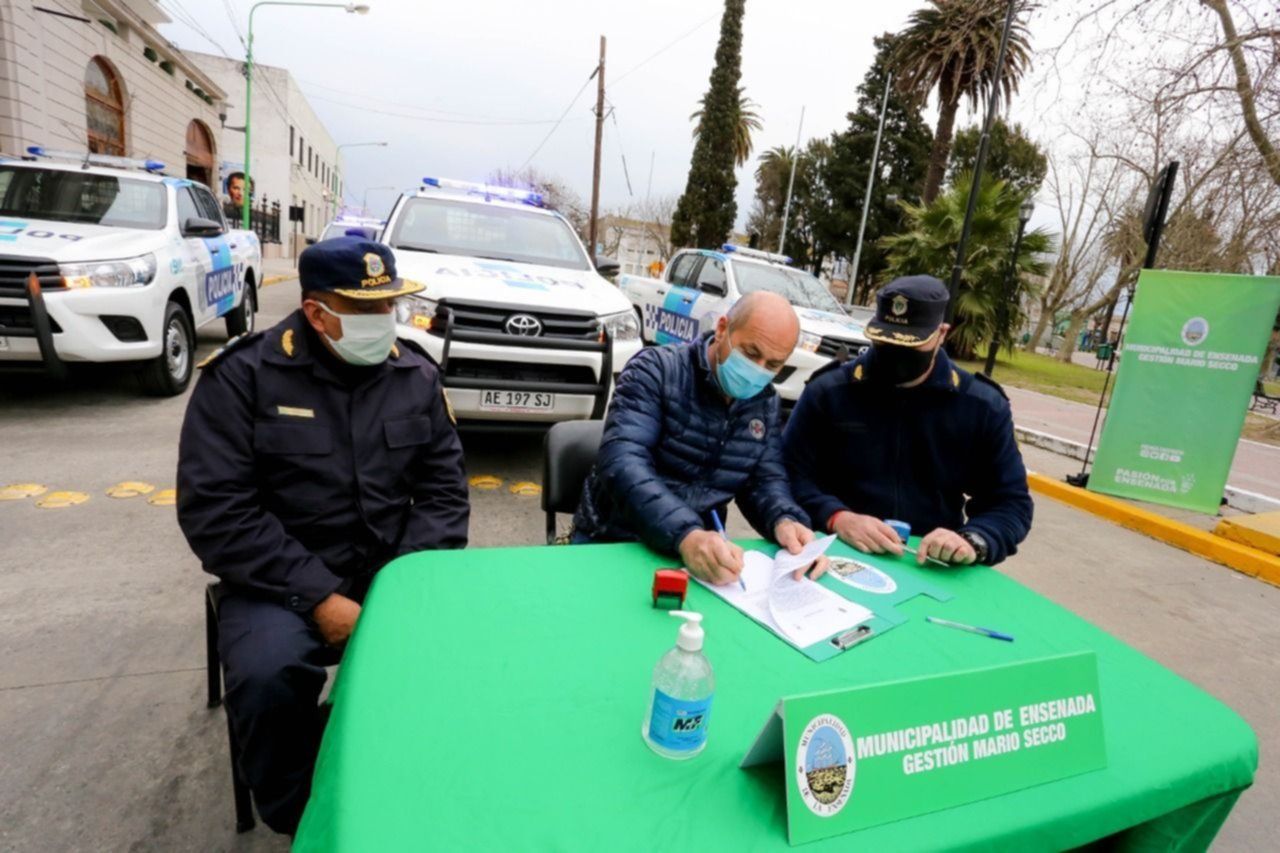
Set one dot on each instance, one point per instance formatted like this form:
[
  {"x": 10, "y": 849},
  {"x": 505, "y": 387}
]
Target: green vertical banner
[{"x": 1188, "y": 365}]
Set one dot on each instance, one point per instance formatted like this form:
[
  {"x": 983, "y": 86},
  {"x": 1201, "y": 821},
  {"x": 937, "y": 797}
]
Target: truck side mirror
[
  {"x": 714, "y": 288},
  {"x": 607, "y": 267},
  {"x": 196, "y": 226}
]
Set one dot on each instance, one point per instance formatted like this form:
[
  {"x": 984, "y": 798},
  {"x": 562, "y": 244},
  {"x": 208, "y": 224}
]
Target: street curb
[
  {"x": 1242, "y": 558},
  {"x": 276, "y": 279},
  {"x": 1240, "y": 499}
]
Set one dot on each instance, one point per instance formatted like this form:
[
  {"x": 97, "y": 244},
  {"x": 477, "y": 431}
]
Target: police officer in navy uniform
[
  {"x": 311, "y": 455},
  {"x": 903, "y": 433}
]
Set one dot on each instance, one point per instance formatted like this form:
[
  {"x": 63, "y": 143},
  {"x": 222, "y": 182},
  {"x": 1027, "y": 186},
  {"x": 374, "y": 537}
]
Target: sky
[
  {"x": 461, "y": 74},
  {"x": 460, "y": 90}
]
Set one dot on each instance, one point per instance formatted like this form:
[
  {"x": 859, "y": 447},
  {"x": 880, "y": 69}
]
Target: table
[{"x": 491, "y": 699}]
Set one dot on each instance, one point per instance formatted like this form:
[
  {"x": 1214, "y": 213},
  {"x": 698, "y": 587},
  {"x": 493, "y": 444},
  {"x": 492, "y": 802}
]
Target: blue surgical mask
[{"x": 740, "y": 377}]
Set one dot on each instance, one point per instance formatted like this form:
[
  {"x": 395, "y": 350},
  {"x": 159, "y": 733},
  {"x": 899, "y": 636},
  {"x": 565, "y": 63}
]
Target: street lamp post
[
  {"x": 1010, "y": 287},
  {"x": 334, "y": 190},
  {"x": 359, "y": 9}
]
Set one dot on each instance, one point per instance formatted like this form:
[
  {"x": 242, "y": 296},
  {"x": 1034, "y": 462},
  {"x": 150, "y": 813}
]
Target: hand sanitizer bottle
[{"x": 675, "y": 726}]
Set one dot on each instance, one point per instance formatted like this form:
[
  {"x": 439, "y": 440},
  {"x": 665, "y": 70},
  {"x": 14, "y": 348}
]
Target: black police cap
[
  {"x": 354, "y": 267},
  {"x": 909, "y": 311}
]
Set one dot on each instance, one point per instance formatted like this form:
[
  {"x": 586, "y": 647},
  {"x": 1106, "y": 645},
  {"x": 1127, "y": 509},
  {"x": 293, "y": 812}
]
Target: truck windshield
[
  {"x": 486, "y": 231},
  {"x": 799, "y": 288},
  {"x": 82, "y": 197}
]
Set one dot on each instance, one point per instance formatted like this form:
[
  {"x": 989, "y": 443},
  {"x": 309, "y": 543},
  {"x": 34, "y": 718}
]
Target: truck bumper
[{"x": 95, "y": 325}]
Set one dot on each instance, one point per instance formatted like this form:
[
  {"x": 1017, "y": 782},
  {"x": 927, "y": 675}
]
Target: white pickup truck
[
  {"x": 701, "y": 284},
  {"x": 105, "y": 260},
  {"x": 525, "y": 329}
]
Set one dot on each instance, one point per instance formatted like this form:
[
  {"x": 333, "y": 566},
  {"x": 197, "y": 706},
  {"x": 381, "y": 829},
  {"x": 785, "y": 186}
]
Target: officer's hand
[
  {"x": 793, "y": 536},
  {"x": 711, "y": 557},
  {"x": 947, "y": 546},
  {"x": 336, "y": 618},
  {"x": 867, "y": 533}
]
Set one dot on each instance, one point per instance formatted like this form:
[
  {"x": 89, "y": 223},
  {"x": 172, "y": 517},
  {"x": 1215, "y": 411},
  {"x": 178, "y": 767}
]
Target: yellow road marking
[
  {"x": 164, "y": 497},
  {"x": 526, "y": 489},
  {"x": 130, "y": 489},
  {"x": 21, "y": 491},
  {"x": 485, "y": 482},
  {"x": 58, "y": 500},
  {"x": 1242, "y": 558}
]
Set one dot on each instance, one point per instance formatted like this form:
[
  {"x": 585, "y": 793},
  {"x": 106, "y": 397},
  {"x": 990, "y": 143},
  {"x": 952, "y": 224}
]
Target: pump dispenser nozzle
[{"x": 690, "y": 635}]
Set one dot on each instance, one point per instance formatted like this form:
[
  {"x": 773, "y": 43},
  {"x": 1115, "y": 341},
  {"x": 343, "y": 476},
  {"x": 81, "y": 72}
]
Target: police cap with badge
[
  {"x": 354, "y": 267},
  {"x": 909, "y": 311}
]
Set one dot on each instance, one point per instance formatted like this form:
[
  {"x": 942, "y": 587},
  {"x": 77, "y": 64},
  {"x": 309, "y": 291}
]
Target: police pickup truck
[
  {"x": 105, "y": 259},
  {"x": 525, "y": 329},
  {"x": 700, "y": 285}
]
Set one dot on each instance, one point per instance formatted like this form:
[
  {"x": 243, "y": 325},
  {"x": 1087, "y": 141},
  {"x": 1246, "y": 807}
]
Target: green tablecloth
[{"x": 492, "y": 699}]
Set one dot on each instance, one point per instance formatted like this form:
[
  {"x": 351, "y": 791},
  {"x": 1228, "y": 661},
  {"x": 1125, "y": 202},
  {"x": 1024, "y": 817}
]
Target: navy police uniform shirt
[
  {"x": 941, "y": 454},
  {"x": 300, "y": 475}
]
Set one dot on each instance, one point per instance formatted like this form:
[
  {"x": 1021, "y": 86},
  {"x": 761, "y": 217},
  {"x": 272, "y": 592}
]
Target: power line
[
  {"x": 633, "y": 69},
  {"x": 617, "y": 131},
  {"x": 585, "y": 83},
  {"x": 365, "y": 99},
  {"x": 365, "y": 108}
]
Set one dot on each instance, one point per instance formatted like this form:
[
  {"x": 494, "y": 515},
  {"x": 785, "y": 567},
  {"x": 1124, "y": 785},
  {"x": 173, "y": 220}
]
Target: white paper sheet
[{"x": 802, "y": 612}]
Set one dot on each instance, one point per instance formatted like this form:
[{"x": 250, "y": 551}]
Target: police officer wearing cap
[
  {"x": 311, "y": 455},
  {"x": 903, "y": 433}
]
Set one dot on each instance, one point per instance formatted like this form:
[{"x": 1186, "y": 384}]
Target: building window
[
  {"x": 301, "y": 145},
  {"x": 104, "y": 108},
  {"x": 309, "y": 163},
  {"x": 290, "y": 141},
  {"x": 200, "y": 153}
]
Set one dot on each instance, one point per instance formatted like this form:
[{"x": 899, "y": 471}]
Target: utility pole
[
  {"x": 871, "y": 181},
  {"x": 595, "y": 170},
  {"x": 786, "y": 208}
]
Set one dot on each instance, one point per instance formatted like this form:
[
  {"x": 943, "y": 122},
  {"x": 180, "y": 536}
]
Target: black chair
[
  {"x": 213, "y": 664},
  {"x": 568, "y": 453}
]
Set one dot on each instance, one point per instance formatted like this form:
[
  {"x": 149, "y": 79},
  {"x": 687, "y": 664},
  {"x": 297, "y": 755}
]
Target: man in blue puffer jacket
[{"x": 690, "y": 428}]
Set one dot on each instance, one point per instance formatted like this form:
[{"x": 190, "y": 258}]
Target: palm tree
[
  {"x": 928, "y": 246},
  {"x": 748, "y": 122},
  {"x": 951, "y": 46}
]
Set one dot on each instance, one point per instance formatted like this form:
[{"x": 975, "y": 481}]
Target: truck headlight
[
  {"x": 622, "y": 326},
  {"x": 417, "y": 312},
  {"x": 809, "y": 342},
  {"x": 130, "y": 272}
]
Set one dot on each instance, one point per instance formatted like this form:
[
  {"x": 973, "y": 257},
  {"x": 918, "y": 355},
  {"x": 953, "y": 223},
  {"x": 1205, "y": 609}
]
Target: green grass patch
[{"x": 1045, "y": 374}]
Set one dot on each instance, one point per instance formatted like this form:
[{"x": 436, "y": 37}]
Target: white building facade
[
  {"x": 95, "y": 75},
  {"x": 292, "y": 159}
]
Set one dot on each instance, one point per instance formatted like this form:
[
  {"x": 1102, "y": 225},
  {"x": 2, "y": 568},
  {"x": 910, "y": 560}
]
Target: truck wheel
[
  {"x": 169, "y": 373},
  {"x": 240, "y": 319}
]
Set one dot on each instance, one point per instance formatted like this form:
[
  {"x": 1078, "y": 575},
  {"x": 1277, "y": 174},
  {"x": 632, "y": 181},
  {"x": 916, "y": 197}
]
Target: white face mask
[{"x": 366, "y": 338}]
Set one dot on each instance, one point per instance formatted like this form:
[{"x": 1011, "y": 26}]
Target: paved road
[
  {"x": 108, "y": 745},
  {"x": 1256, "y": 467}
]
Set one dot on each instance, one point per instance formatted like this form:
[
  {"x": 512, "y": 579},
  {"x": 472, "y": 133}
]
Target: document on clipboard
[{"x": 801, "y": 612}]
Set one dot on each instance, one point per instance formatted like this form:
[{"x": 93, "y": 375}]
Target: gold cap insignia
[{"x": 899, "y": 305}]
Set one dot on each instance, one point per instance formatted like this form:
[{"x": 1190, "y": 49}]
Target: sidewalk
[
  {"x": 274, "y": 268},
  {"x": 1256, "y": 467}
]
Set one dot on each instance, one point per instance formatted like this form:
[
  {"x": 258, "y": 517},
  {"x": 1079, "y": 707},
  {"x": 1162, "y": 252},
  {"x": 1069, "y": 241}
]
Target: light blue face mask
[{"x": 740, "y": 377}]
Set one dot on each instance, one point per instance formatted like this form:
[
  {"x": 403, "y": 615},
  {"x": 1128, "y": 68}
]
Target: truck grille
[
  {"x": 475, "y": 368},
  {"x": 14, "y": 272},
  {"x": 575, "y": 325},
  {"x": 829, "y": 346}
]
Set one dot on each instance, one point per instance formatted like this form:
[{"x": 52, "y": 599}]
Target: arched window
[
  {"x": 104, "y": 108},
  {"x": 200, "y": 156}
]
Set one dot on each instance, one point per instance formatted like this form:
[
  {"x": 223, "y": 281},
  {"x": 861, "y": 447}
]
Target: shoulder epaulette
[
  {"x": 982, "y": 377},
  {"x": 229, "y": 347}
]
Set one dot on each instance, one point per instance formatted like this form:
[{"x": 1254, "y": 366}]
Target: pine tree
[{"x": 705, "y": 213}]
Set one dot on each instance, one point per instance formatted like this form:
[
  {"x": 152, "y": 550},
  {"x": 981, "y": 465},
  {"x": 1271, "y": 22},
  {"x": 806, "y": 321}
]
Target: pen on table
[
  {"x": 911, "y": 550},
  {"x": 972, "y": 629},
  {"x": 715, "y": 519}
]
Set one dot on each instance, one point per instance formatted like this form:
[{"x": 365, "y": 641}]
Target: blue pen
[
  {"x": 715, "y": 519},
  {"x": 972, "y": 629}
]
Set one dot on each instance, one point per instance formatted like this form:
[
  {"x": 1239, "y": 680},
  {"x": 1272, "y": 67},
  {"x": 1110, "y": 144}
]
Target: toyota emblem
[{"x": 525, "y": 325}]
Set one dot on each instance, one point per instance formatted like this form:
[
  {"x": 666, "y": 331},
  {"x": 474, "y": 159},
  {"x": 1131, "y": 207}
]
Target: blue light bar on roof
[
  {"x": 755, "y": 253},
  {"x": 487, "y": 190},
  {"x": 96, "y": 159}
]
